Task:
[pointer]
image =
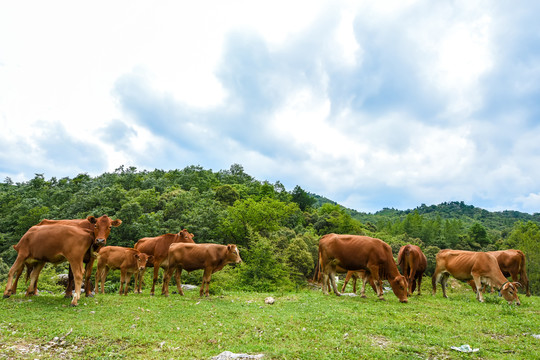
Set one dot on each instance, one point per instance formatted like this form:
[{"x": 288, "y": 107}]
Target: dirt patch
[{"x": 380, "y": 341}]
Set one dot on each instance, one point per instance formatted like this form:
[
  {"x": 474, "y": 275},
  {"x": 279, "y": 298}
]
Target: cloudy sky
[{"x": 372, "y": 104}]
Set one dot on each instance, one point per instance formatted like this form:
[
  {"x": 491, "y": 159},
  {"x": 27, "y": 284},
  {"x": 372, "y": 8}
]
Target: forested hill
[
  {"x": 497, "y": 220},
  {"x": 276, "y": 229},
  {"x": 468, "y": 214}
]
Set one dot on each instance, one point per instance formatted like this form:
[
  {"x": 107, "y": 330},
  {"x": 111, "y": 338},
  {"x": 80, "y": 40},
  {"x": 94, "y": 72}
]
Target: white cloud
[{"x": 350, "y": 100}]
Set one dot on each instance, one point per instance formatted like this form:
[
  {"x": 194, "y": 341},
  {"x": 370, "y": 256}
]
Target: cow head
[
  {"x": 186, "y": 236},
  {"x": 102, "y": 228},
  {"x": 141, "y": 259},
  {"x": 509, "y": 291},
  {"x": 399, "y": 287},
  {"x": 233, "y": 255}
]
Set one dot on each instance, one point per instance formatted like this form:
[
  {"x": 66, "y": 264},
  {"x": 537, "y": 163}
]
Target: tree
[{"x": 302, "y": 198}]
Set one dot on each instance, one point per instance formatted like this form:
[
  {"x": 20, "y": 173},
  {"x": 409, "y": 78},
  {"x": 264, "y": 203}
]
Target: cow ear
[
  {"x": 116, "y": 222},
  {"x": 136, "y": 256},
  {"x": 229, "y": 247},
  {"x": 92, "y": 219}
]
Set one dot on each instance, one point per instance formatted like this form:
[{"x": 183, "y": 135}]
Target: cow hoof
[
  {"x": 73, "y": 305},
  {"x": 90, "y": 295},
  {"x": 6, "y": 296},
  {"x": 363, "y": 296}
]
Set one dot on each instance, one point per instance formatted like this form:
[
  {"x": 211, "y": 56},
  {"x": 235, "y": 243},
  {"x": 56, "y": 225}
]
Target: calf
[
  {"x": 210, "y": 257},
  {"x": 158, "y": 248},
  {"x": 128, "y": 260},
  {"x": 364, "y": 276},
  {"x": 478, "y": 266},
  {"x": 413, "y": 264}
]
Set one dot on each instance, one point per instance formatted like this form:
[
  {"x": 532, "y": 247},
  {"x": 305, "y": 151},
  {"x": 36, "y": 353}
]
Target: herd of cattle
[{"x": 81, "y": 241}]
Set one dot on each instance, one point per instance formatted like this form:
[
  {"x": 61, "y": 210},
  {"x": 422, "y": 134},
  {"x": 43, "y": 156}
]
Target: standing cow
[
  {"x": 478, "y": 266},
  {"x": 210, "y": 257},
  {"x": 56, "y": 244},
  {"x": 128, "y": 260},
  {"x": 88, "y": 223},
  {"x": 158, "y": 248},
  {"x": 413, "y": 264},
  {"x": 355, "y": 252}
]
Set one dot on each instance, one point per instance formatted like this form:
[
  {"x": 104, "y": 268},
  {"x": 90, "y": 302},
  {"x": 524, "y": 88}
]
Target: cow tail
[{"x": 523, "y": 269}]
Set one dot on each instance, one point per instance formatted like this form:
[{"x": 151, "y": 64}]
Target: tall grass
[{"x": 299, "y": 325}]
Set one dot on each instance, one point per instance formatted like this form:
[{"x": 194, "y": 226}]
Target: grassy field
[{"x": 299, "y": 325}]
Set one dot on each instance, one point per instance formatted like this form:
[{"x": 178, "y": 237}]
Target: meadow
[{"x": 301, "y": 324}]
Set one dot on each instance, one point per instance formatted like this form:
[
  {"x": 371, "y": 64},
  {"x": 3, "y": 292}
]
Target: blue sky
[{"x": 372, "y": 105}]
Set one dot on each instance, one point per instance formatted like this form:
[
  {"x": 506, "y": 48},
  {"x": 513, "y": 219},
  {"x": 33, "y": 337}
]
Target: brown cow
[
  {"x": 98, "y": 228},
  {"x": 355, "y": 252},
  {"x": 210, "y": 257},
  {"x": 512, "y": 263},
  {"x": 128, "y": 260},
  {"x": 158, "y": 247},
  {"x": 88, "y": 223},
  {"x": 56, "y": 244},
  {"x": 479, "y": 266},
  {"x": 413, "y": 264}
]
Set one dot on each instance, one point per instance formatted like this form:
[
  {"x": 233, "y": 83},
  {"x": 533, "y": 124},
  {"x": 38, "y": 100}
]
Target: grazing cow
[
  {"x": 90, "y": 224},
  {"x": 413, "y": 264},
  {"x": 158, "y": 248},
  {"x": 478, "y": 266},
  {"x": 128, "y": 260},
  {"x": 512, "y": 263},
  {"x": 354, "y": 252},
  {"x": 210, "y": 257},
  {"x": 360, "y": 274}
]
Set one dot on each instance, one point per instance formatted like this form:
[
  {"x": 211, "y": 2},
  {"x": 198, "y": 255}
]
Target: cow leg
[
  {"x": 18, "y": 275},
  {"x": 32, "y": 288},
  {"x": 347, "y": 278},
  {"x": 122, "y": 281},
  {"x": 138, "y": 281},
  {"x": 87, "y": 274},
  {"x": 16, "y": 268},
  {"x": 411, "y": 280},
  {"x": 374, "y": 270},
  {"x": 479, "y": 289},
  {"x": 207, "y": 275},
  {"x": 354, "y": 278},
  {"x": 419, "y": 285},
  {"x": 333, "y": 281},
  {"x": 325, "y": 283},
  {"x": 154, "y": 281},
  {"x": 167, "y": 274},
  {"x": 77, "y": 267},
  {"x": 178, "y": 284},
  {"x": 97, "y": 278},
  {"x": 363, "y": 291},
  {"x": 104, "y": 274},
  {"x": 70, "y": 285},
  {"x": 444, "y": 281}
]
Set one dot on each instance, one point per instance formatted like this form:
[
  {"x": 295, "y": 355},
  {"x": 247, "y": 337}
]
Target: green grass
[{"x": 300, "y": 325}]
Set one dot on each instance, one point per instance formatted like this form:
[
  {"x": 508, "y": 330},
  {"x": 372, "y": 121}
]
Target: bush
[{"x": 262, "y": 270}]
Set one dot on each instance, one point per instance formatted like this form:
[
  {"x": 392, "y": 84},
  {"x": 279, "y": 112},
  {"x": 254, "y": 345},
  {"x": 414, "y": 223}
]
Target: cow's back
[
  {"x": 354, "y": 252},
  {"x": 47, "y": 242},
  {"x": 118, "y": 257},
  {"x": 461, "y": 264}
]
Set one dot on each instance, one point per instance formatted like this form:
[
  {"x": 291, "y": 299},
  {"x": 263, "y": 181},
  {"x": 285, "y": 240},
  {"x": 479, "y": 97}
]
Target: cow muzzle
[{"x": 100, "y": 241}]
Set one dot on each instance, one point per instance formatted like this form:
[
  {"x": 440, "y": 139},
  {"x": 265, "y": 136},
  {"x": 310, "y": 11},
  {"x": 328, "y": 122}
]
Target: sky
[{"x": 373, "y": 104}]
